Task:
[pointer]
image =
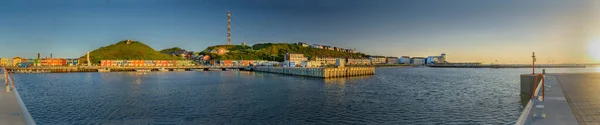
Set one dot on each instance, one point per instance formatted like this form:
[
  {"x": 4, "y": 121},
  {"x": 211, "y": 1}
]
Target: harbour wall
[{"x": 319, "y": 71}]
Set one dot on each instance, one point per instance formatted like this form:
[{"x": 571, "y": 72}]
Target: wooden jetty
[{"x": 320, "y": 72}]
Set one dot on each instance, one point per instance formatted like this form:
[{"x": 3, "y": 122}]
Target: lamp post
[{"x": 533, "y": 66}]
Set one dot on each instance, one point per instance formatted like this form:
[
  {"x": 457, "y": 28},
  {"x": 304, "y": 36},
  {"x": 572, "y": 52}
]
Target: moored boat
[
  {"x": 163, "y": 70},
  {"x": 142, "y": 70},
  {"x": 104, "y": 70},
  {"x": 179, "y": 70}
]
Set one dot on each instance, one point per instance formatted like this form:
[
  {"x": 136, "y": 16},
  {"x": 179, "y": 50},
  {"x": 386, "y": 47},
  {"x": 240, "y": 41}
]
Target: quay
[
  {"x": 563, "y": 99},
  {"x": 62, "y": 69},
  {"x": 320, "y": 72},
  {"x": 12, "y": 108}
]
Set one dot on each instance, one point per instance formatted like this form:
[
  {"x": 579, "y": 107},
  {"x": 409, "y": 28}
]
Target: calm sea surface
[{"x": 392, "y": 96}]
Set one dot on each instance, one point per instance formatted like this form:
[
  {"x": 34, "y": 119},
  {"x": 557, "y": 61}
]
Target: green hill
[
  {"x": 122, "y": 50},
  {"x": 228, "y": 47},
  {"x": 170, "y": 50},
  {"x": 274, "y": 52}
]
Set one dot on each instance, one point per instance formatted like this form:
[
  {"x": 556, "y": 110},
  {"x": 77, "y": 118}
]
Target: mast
[{"x": 228, "y": 27}]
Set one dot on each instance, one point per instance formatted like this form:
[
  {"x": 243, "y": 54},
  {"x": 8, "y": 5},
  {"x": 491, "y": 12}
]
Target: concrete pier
[
  {"x": 570, "y": 99},
  {"x": 12, "y": 108},
  {"x": 528, "y": 83},
  {"x": 320, "y": 71},
  {"x": 10, "y": 111}
]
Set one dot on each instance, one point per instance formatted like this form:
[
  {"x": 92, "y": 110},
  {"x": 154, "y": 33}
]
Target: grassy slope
[
  {"x": 169, "y": 50},
  {"x": 123, "y": 51},
  {"x": 274, "y": 51}
]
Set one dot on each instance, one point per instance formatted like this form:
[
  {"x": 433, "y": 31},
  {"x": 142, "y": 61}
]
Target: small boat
[
  {"x": 104, "y": 70},
  {"x": 198, "y": 70},
  {"x": 163, "y": 70},
  {"x": 179, "y": 70},
  {"x": 142, "y": 70}
]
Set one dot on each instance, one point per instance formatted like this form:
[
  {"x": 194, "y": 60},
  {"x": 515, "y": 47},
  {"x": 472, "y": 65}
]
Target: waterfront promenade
[
  {"x": 10, "y": 111},
  {"x": 572, "y": 98},
  {"x": 12, "y": 108}
]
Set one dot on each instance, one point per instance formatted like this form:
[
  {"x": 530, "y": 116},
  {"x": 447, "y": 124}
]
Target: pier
[
  {"x": 564, "y": 99},
  {"x": 319, "y": 71},
  {"x": 12, "y": 108}
]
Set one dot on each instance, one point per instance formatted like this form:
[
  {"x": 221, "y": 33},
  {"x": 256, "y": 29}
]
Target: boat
[
  {"x": 142, "y": 70},
  {"x": 198, "y": 70},
  {"x": 213, "y": 69},
  {"x": 163, "y": 70},
  {"x": 104, "y": 70},
  {"x": 179, "y": 70}
]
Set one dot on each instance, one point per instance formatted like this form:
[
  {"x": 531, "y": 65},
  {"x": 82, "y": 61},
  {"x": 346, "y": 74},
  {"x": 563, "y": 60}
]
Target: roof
[
  {"x": 418, "y": 58},
  {"x": 358, "y": 58},
  {"x": 405, "y": 56}
]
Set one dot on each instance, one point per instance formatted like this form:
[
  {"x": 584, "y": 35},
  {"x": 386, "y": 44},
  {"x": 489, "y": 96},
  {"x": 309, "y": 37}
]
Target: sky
[{"x": 506, "y": 31}]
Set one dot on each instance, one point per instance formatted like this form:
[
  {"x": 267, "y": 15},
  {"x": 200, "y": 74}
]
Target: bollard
[
  {"x": 538, "y": 111},
  {"x": 543, "y": 71}
]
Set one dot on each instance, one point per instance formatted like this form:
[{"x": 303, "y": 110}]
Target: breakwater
[{"x": 319, "y": 71}]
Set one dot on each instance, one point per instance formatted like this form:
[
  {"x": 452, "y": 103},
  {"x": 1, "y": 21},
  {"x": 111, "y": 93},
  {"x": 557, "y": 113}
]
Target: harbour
[
  {"x": 398, "y": 97},
  {"x": 300, "y": 62}
]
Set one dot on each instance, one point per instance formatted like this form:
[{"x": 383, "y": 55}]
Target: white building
[
  {"x": 293, "y": 59},
  {"x": 358, "y": 61},
  {"x": 391, "y": 60},
  {"x": 436, "y": 59},
  {"x": 316, "y": 46},
  {"x": 324, "y": 60},
  {"x": 418, "y": 60},
  {"x": 377, "y": 59},
  {"x": 302, "y": 44},
  {"x": 404, "y": 60}
]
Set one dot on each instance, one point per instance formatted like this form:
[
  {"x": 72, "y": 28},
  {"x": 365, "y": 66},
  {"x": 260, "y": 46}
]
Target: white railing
[
  {"x": 527, "y": 111},
  {"x": 25, "y": 113}
]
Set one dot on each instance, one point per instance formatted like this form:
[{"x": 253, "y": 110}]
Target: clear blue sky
[{"x": 467, "y": 30}]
